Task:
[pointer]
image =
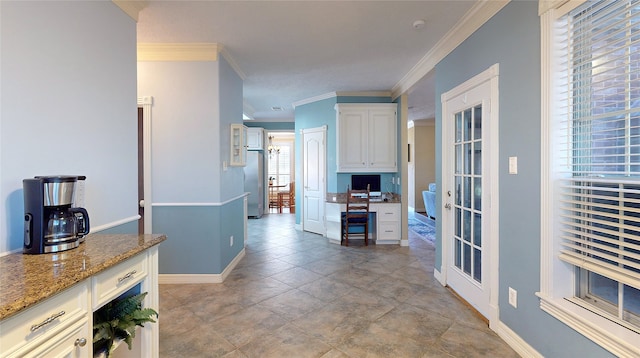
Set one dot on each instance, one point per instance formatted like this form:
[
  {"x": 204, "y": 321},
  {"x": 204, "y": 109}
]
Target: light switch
[{"x": 513, "y": 165}]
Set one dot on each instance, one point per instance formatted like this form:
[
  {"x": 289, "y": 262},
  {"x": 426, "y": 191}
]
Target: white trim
[
  {"x": 490, "y": 75},
  {"x": 146, "y": 102},
  {"x": 515, "y": 341},
  {"x": 201, "y": 278},
  {"x": 404, "y": 242},
  {"x": 341, "y": 94},
  {"x": 131, "y": 8},
  {"x": 114, "y": 224},
  {"x": 605, "y": 333},
  {"x": 438, "y": 276},
  {"x": 204, "y": 204},
  {"x": 232, "y": 62},
  {"x": 477, "y": 16}
]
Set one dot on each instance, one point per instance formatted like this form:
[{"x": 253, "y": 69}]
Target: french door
[{"x": 468, "y": 234}]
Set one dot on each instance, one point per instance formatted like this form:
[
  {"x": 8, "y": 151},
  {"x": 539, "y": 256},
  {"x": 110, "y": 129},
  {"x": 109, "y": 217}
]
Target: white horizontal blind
[{"x": 601, "y": 104}]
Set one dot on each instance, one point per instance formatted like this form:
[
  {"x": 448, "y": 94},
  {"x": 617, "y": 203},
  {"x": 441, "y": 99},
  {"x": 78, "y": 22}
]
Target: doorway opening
[{"x": 280, "y": 156}]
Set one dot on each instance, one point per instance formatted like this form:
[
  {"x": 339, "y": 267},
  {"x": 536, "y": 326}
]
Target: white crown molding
[
  {"x": 232, "y": 62},
  {"x": 131, "y": 8},
  {"x": 341, "y": 94},
  {"x": 178, "y": 51},
  {"x": 477, "y": 16},
  {"x": 314, "y": 99},
  {"x": 248, "y": 109},
  {"x": 187, "y": 52}
]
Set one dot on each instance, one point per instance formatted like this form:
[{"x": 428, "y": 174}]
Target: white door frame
[
  {"x": 146, "y": 102},
  {"x": 492, "y": 168},
  {"x": 323, "y": 165}
]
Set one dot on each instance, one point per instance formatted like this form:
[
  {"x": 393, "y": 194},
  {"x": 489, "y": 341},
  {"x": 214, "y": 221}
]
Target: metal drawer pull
[
  {"x": 47, "y": 321},
  {"x": 80, "y": 342},
  {"x": 127, "y": 276}
]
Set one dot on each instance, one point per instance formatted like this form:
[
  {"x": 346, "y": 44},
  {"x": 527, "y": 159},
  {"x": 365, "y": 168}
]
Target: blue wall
[
  {"x": 512, "y": 39},
  {"x": 318, "y": 114},
  {"x": 196, "y": 203}
]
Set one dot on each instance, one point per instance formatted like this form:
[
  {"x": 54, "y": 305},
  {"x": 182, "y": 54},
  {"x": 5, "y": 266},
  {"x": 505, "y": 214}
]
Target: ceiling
[{"x": 291, "y": 51}]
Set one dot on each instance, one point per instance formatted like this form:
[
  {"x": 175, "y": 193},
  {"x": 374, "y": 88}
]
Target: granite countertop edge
[{"x": 26, "y": 280}]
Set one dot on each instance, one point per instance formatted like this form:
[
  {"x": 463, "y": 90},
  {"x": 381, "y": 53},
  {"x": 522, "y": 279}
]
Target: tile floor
[{"x": 295, "y": 295}]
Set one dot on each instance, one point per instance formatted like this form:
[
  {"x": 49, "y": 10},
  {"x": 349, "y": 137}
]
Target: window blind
[{"x": 600, "y": 104}]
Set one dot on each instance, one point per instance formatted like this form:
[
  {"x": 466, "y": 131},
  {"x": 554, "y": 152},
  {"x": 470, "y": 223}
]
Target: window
[
  {"x": 591, "y": 206},
  {"x": 280, "y": 166}
]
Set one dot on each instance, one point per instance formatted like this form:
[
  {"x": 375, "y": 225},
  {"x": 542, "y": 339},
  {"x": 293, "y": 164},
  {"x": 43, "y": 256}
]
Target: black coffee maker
[{"x": 51, "y": 224}]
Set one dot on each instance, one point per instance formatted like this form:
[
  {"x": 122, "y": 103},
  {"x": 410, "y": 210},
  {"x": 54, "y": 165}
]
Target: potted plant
[{"x": 118, "y": 320}]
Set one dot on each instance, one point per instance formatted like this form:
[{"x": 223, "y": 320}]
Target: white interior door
[
  {"x": 313, "y": 190},
  {"x": 467, "y": 187}
]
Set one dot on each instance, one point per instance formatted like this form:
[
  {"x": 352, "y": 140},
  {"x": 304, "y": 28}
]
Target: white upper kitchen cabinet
[
  {"x": 255, "y": 138},
  {"x": 367, "y": 139}
]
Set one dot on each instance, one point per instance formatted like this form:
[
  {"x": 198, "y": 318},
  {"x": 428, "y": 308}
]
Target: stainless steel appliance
[
  {"x": 254, "y": 183},
  {"x": 51, "y": 224}
]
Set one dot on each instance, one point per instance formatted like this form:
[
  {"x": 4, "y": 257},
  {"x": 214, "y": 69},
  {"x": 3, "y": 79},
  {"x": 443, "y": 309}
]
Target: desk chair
[{"x": 356, "y": 215}]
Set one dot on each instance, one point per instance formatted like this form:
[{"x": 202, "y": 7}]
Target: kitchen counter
[
  {"x": 341, "y": 198},
  {"x": 26, "y": 280}
]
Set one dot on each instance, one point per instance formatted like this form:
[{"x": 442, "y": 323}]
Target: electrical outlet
[
  {"x": 513, "y": 297},
  {"x": 231, "y": 241}
]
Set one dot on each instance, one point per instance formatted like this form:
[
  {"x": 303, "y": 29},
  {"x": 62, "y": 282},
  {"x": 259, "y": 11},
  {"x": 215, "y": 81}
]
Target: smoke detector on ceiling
[{"x": 418, "y": 24}]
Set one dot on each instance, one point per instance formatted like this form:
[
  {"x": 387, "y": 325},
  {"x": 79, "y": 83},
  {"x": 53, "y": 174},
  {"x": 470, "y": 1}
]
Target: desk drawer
[
  {"x": 35, "y": 325},
  {"x": 118, "y": 279},
  {"x": 389, "y": 212},
  {"x": 388, "y": 231}
]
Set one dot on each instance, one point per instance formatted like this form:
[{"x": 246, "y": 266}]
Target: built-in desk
[{"x": 385, "y": 224}]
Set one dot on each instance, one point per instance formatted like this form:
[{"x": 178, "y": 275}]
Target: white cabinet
[
  {"x": 367, "y": 137},
  {"x": 238, "y": 145},
  {"x": 388, "y": 222},
  {"x": 255, "y": 138},
  {"x": 62, "y": 325},
  {"x": 45, "y": 328}
]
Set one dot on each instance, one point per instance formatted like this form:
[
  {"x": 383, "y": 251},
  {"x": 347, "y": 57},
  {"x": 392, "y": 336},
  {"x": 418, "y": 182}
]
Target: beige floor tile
[{"x": 296, "y": 295}]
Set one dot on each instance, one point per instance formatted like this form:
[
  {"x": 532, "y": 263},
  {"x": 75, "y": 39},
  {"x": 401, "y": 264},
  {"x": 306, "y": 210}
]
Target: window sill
[{"x": 607, "y": 334}]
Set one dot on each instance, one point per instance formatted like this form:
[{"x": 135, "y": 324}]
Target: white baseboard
[
  {"x": 201, "y": 278},
  {"x": 438, "y": 276},
  {"x": 515, "y": 342},
  {"x": 404, "y": 242}
]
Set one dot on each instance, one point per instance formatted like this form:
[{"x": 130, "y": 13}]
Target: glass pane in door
[{"x": 467, "y": 240}]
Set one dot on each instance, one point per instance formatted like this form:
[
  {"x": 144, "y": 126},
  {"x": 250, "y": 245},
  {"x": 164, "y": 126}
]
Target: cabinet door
[
  {"x": 382, "y": 140},
  {"x": 255, "y": 138},
  {"x": 352, "y": 140},
  {"x": 238, "y": 145}
]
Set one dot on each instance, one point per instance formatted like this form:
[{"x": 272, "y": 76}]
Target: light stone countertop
[{"x": 26, "y": 280}]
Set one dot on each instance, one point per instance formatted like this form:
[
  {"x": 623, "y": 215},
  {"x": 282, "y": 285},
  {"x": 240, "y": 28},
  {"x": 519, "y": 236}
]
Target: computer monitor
[{"x": 360, "y": 181}]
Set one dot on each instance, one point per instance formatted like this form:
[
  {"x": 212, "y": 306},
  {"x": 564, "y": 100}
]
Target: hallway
[{"x": 295, "y": 295}]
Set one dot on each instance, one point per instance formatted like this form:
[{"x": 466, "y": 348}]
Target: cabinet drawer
[
  {"x": 67, "y": 344},
  {"x": 118, "y": 279},
  {"x": 388, "y": 231},
  {"x": 35, "y": 325},
  {"x": 389, "y": 212}
]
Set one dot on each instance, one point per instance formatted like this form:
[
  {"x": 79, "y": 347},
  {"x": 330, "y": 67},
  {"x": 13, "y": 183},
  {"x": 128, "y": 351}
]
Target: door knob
[
  {"x": 80, "y": 342},
  {"x": 141, "y": 203},
  {"x": 447, "y": 206}
]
